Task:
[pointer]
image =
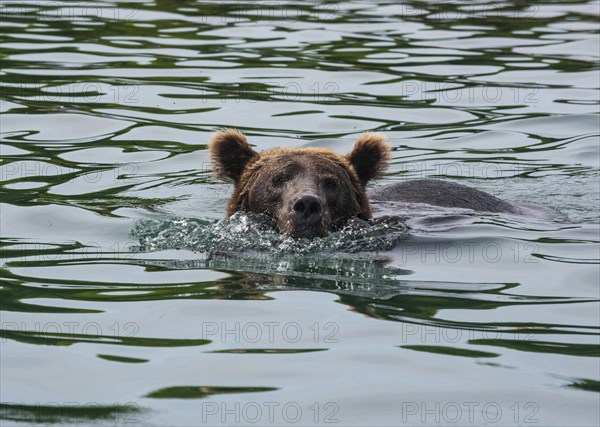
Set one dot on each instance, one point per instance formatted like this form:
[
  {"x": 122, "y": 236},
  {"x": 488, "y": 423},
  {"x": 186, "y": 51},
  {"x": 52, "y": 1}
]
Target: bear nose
[{"x": 307, "y": 209}]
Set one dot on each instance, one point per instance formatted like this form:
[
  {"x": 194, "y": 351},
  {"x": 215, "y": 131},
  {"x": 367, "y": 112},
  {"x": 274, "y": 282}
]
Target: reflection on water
[
  {"x": 127, "y": 297},
  {"x": 199, "y": 392}
]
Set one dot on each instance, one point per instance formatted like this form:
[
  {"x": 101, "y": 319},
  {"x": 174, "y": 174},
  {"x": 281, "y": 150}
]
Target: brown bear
[
  {"x": 308, "y": 191},
  {"x": 312, "y": 191}
]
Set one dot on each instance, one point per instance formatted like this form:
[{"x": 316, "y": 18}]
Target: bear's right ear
[{"x": 230, "y": 153}]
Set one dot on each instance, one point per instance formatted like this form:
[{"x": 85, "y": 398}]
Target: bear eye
[
  {"x": 330, "y": 183},
  {"x": 279, "y": 180}
]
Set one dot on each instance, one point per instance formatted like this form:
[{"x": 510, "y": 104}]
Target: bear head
[{"x": 308, "y": 191}]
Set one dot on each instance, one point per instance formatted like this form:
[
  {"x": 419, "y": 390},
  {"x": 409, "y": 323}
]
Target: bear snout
[
  {"x": 307, "y": 210},
  {"x": 307, "y": 216}
]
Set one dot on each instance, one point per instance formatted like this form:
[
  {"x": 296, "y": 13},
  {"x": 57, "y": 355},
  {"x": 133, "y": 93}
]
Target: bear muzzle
[{"x": 307, "y": 217}]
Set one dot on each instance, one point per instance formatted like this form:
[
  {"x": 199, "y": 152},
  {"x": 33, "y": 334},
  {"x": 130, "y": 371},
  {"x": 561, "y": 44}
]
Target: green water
[{"x": 123, "y": 302}]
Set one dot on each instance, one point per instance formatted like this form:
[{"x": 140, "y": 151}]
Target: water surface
[{"x": 123, "y": 301}]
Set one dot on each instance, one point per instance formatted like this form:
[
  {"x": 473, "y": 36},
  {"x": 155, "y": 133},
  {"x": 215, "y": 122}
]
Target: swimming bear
[{"x": 312, "y": 191}]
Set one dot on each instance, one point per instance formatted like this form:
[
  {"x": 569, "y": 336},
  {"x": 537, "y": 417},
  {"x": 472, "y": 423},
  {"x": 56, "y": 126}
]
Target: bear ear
[
  {"x": 230, "y": 153},
  {"x": 370, "y": 156}
]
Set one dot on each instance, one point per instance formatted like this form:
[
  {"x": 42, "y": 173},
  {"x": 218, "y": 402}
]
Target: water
[{"x": 123, "y": 301}]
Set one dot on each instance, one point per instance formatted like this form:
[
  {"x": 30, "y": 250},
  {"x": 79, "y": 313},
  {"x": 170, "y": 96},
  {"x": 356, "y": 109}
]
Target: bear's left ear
[
  {"x": 370, "y": 156},
  {"x": 230, "y": 153}
]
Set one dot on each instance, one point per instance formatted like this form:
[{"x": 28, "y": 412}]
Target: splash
[{"x": 245, "y": 231}]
